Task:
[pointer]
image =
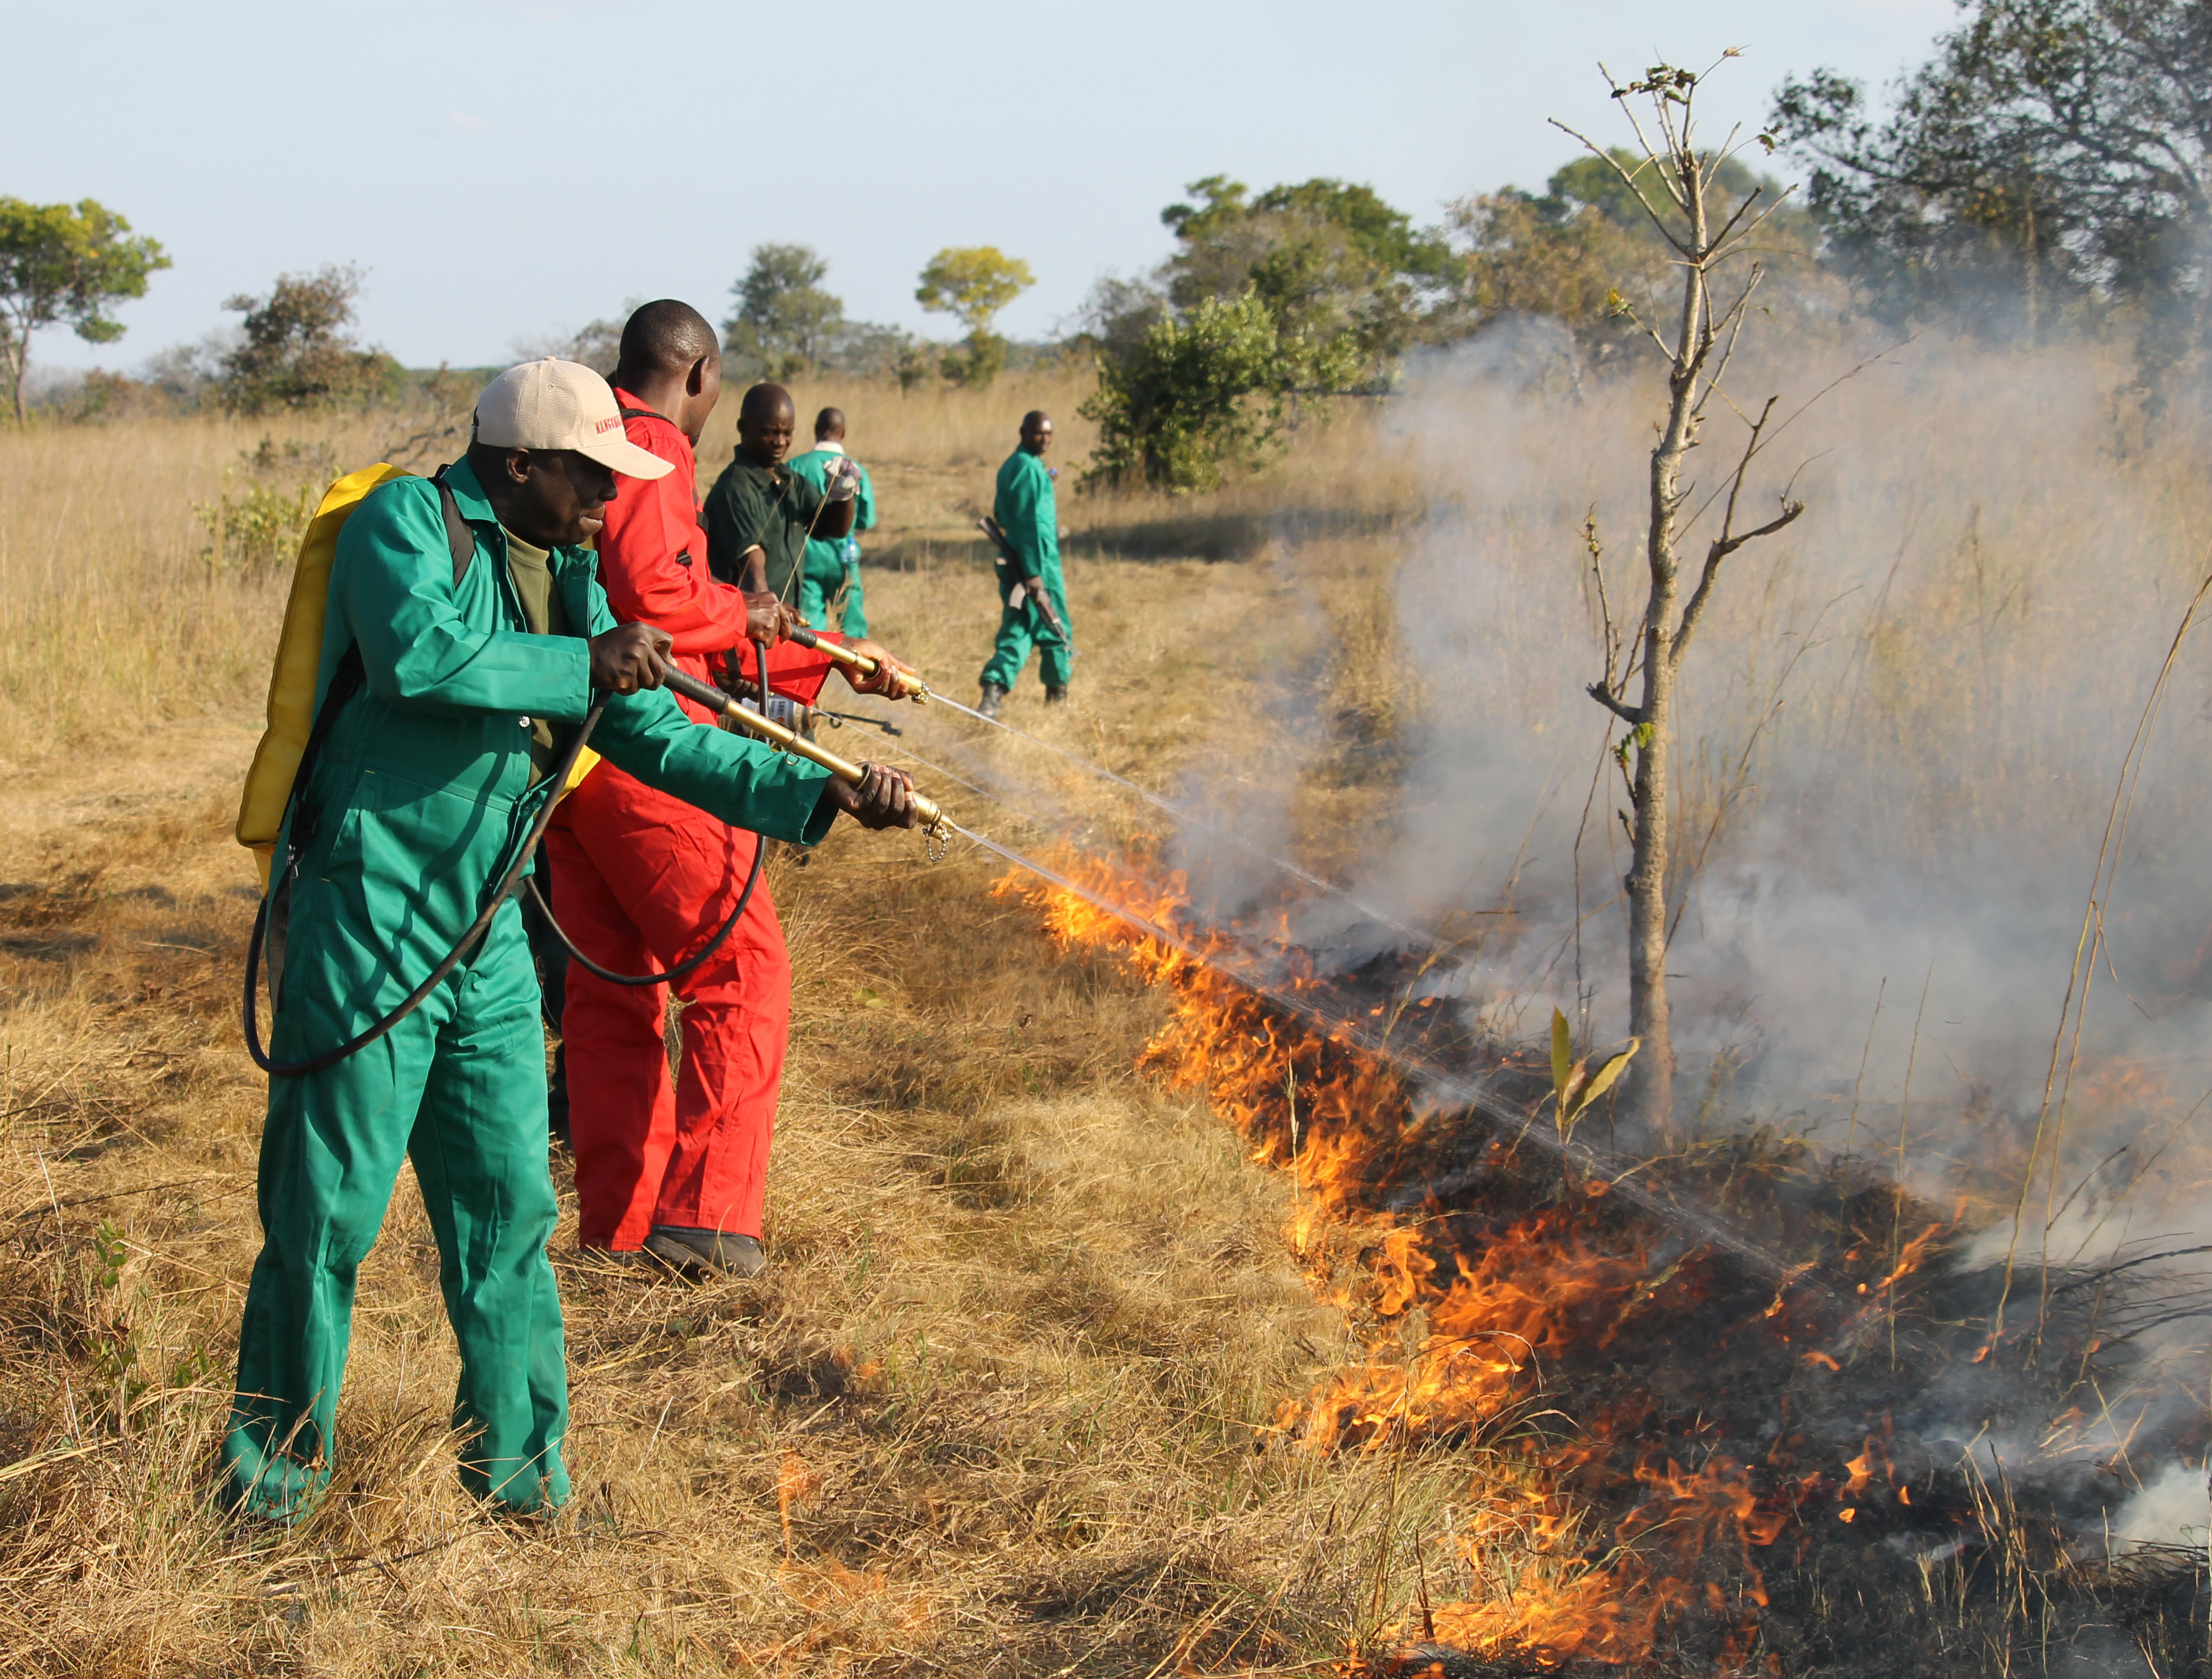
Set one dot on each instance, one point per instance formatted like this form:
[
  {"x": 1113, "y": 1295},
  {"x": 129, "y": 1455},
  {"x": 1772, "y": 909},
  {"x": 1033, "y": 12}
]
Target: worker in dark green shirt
[
  {"x": 1026, "y": 511},
  {"x": 829, "y": 596},
  {"x": 760, "y": 514}
]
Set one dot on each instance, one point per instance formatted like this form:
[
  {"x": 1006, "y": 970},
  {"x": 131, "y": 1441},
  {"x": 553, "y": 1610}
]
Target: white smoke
[
  {"x": 2175, "y": 1508},
  {"x": 1901, "y": 728}
]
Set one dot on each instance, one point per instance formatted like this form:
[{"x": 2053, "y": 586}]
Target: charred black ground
[{"x": 1925, "y": 1487}]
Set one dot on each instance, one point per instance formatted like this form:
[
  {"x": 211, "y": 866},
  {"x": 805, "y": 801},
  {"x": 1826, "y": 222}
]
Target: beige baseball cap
[{"x": 553, "y": 405}]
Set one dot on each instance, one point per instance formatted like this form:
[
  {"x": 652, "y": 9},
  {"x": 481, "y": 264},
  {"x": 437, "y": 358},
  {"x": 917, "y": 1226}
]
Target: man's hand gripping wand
[
  {"x": 937, "y": 831},
  {"x": 857, "y": 661}
]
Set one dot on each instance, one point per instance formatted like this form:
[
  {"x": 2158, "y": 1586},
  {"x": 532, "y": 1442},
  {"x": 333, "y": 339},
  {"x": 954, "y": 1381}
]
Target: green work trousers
[
  {"x": 1023, "y": 628},
  {"x": 825, "y": 576},
  {"x": 458, "y": 1087}
]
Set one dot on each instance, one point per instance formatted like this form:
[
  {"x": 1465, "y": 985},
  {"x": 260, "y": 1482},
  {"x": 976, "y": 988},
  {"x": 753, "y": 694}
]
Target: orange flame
[
  {"x": 796, "y": 1483},
  {"x": 1335, "y": 1116}
]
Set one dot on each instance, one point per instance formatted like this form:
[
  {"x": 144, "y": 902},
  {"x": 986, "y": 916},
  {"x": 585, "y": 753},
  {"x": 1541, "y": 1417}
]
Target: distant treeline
[{"x": 2047, "y": 173}]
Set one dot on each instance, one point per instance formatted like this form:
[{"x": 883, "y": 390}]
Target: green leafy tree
[
  {"x": 1204, "y": 391},
  {"x": 65, "y": 262},
  {"x": 2051, "y": 157},
  {"x": 974, "y": 283},
  {"x": 785, "y": 322},
  {"x": 1330, "y": 260},
  {"x": 1311, "y": 289},
  {"x": 295, "y": 351}
]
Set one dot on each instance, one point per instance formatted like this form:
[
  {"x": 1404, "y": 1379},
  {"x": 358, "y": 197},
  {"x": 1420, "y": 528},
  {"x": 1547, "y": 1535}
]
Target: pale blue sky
[{"x": 504, "y": 169}]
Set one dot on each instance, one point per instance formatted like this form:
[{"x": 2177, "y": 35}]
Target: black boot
[
  {"x": 707, "y": 1252},
  {"x": 994, "y": 697},
  {"x": 1055, "y": 696}
]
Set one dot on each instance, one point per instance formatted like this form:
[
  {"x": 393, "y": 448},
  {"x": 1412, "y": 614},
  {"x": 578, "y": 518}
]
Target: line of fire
[{"x": 1711, "y": 1402}]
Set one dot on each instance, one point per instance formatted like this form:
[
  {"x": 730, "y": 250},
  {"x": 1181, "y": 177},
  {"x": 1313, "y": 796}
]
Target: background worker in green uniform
[
  {"x": 1025, "y": 510},
  {"x": 424, "y": 785},
  {"x": 829, "y": 594},
  {"x": 759, "y": 515}
]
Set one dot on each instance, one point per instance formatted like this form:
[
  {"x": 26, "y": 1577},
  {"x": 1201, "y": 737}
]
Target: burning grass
[
  {"x": 1830, "y": 1459},
  {"x": 1056, "y": 1371}
]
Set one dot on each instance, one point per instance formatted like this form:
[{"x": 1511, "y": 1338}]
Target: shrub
[
  {"x": 1202, "y": 391},
  {"x": 296, "y": 354},
  {"x": 260, "y": 530}
]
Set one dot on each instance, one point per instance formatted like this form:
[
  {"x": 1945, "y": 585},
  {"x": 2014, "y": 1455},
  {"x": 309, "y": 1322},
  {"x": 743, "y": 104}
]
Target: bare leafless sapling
[{"x": 1675, "y": 184}]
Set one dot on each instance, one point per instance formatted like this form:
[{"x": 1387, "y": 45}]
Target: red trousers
[{"x": 641, "y": 881}]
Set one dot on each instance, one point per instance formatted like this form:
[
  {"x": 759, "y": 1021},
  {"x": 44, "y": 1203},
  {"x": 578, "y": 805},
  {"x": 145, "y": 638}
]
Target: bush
[
  {"x": 296, "y": 353},
  {"x": 260, "y": 530},
  {"x": 1203, "y": 391}
]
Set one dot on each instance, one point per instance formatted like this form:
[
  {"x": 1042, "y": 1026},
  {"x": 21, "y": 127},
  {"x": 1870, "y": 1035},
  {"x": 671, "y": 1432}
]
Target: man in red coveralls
[{"x": 642, "y": 881}]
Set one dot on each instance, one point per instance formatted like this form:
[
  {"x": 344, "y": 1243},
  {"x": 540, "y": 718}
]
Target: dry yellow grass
[{"x": 993, "y": 1409}]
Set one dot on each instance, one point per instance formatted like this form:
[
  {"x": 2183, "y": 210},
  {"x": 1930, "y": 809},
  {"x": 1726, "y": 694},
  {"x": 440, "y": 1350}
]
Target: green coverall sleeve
[
  {"x": 864, "y": 516},
  {"x": 392, "y": 579},
  {"x": 747, "y": 784}
]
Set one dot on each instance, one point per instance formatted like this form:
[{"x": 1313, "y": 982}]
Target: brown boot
[{"x": 707, "y": 1252}]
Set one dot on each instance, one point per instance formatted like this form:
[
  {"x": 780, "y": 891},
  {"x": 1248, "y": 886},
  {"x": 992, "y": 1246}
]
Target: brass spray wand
[
  {"x": 858, "y": 661},
  {"x": 937, "y": 829}
]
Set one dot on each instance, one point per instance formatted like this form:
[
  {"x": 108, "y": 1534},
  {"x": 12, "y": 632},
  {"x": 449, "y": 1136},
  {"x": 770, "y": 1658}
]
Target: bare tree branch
[
  {"x": 1720, "y": 550},
  {"x": 1787, "y": 192},
  {"x": 1798, "y": 412},
  {"x": 1729, "y": 226},
  {"x": 1732, "y": 323},
  {"x": 1629, "y": 181},
  {"x": 1620, "y": 97},
  {"x": 1627, "y": 714}
]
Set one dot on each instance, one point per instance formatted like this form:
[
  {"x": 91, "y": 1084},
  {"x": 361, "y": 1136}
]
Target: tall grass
[
  {"x": 115, "y": 613},
  {"x": 993, "y": 1409}
]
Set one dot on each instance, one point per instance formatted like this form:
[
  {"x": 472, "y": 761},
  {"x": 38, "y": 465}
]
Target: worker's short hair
[
  {"x": 829, "y": 419},
  {"x": 666, "y": 336}
]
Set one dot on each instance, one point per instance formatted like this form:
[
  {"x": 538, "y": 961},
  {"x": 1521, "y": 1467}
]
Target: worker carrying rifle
[
  {"x": 463, "y": 614},
  {"x": 829, "y": 592},
  {"x": 1033, "y": 604},
  {"x": 644, "y": 883}
]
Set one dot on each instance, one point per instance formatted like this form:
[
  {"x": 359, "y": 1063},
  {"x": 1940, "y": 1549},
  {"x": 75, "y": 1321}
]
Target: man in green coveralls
[
  {"x": 429, "y": 777},
  {"x": 759, "y": 515},
  {"x": 1025, "y": 511},
  {"x": 829, "y": 584}
]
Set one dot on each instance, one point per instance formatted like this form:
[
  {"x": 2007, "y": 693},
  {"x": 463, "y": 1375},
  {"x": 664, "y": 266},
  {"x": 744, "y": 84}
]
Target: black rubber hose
[
  {"x": 682, "y": 969},
  {"x": 467, "y": 942},
  {"x": 693, "y": 963}
]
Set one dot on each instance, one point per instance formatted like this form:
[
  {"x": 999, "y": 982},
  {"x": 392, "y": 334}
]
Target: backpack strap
[
  {"x": 461, "y": 540},
  {"x": 642, "y": 414}
]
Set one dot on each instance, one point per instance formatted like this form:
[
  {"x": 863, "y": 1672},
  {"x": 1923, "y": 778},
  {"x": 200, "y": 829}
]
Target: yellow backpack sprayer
[{"x": 283, "y": 763}]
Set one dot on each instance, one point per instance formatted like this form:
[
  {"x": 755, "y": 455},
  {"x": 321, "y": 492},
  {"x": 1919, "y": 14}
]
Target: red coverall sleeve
[{"x": 649, "y": 523}]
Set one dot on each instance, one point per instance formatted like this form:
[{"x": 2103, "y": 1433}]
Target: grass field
[{"x": 994, "y": 1407}]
